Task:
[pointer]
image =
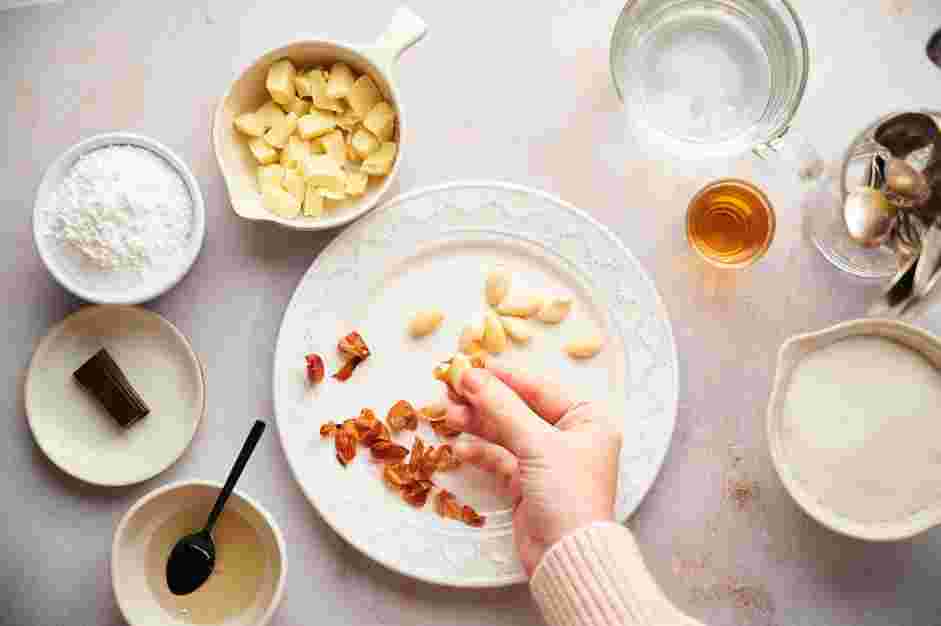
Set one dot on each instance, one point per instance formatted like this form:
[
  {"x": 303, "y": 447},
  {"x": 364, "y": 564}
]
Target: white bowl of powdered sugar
[{"x": 119, "y": 219}]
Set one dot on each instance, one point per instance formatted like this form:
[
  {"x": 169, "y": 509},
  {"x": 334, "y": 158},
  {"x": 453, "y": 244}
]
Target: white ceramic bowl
[
  {"x": 135, "y": 596},
  {"x": 248, "y": 92},
  {"x": 791, "y": 354},
  {"x": 56, "y": 265}
]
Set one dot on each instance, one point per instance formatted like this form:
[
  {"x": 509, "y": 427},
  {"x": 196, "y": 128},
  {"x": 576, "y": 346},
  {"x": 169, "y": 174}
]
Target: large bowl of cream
[{"x": 854, "y": 427}]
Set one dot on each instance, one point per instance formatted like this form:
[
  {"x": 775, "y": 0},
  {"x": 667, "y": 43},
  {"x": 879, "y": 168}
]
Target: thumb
[{"x": 500, "y": 416}]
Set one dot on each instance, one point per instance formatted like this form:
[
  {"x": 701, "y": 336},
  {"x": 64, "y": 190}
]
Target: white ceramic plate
[
  {"x": 427, "y": 248},
  {"x": 76, "y": 433}
]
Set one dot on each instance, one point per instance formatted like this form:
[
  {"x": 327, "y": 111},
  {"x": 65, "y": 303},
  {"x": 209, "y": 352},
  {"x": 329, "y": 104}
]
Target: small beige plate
[{"x": 76, "y": 433}]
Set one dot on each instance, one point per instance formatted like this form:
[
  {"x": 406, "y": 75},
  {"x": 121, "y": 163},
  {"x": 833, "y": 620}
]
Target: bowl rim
[
  {"x": 121, "y": 527},
  {"x": 786, "y": 362},
  {"x": 354, "y": 212},
  {"x": 136, "y": 310},
  {"x": 104, "y": 140}
]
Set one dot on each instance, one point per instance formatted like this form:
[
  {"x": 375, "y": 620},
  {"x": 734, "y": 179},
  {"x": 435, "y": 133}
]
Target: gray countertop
[{"x": 515, "y": 91}]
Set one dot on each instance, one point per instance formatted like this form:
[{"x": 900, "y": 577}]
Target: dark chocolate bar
[{"x": 102, "y": 378}]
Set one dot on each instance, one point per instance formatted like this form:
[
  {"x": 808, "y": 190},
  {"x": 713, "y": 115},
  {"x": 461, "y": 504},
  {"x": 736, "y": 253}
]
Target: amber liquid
[{"x": 730, "y": 223}]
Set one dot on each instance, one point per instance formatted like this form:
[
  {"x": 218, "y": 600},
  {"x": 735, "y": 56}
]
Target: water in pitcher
[{"x": 707, "y": 76}]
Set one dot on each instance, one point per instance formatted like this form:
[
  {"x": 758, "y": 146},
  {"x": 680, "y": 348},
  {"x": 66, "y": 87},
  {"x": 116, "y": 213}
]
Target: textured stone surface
[{"x": 517, "y": 91}]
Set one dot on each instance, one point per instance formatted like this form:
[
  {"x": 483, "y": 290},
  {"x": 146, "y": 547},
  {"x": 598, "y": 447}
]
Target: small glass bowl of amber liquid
[{"x": 730, "y": 223}]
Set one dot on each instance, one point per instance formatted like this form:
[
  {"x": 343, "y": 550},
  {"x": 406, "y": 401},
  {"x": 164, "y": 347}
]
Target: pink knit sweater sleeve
[{"x": 596, "y": 577}]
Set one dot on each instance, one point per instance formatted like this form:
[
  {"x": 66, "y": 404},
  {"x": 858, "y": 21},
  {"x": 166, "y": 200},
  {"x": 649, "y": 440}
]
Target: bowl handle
[{"x": 404, "y": 30}]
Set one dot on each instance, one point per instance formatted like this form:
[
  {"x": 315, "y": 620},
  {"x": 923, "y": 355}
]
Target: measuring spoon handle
[{"x": 247, "y": 448}]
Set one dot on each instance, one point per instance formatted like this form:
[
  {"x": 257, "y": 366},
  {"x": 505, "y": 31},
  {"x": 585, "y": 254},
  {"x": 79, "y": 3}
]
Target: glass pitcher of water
[{"x": 703, "y": 78}]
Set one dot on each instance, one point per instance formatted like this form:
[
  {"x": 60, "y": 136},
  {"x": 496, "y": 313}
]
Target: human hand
[{"x": 556, "y": 456}]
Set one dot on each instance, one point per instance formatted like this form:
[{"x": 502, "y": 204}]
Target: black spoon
[
  {"x": 934, "y": 48},
  {"x": 193, "y": 557}
]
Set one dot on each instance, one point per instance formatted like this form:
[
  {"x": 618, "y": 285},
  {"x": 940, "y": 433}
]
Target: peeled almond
[
  {"x": 380, "y": 121},
  {"x": 313, "y": 201},
  {"x": 270, "y": 175},
  {"x": 356, "y": 183},
  {"x": 554, "y": 310},
  {"x": 298, "y": 107},
  {"x": 425, "y": 323},
  {"x": 280, "y": 202},
  {"x": 520, "y": 305},
  {"x": 250, "y": 124},
  {"x": 262, "y": 150},
  {"x": 380, "y": 162},
  {"x": 363, "y": 96},
  {"x": 494, "y": 336},
  {"x": 498, "y": 283},
  {"x": 280, "y": 81},
  {"x": 340, "y": 80},
  {"x": 459, "y": 364},
  {"x": 471, "y": 337},
  {"x": 278, "y": 134},
  {"x": 334, "y": 146},
  {"x": 317, "y": 83},
  {"x": 294, "y": 184},
  {"x": 516, "y": 329},
  {"x": 584, "y": 347},
  {"x": 269, "y": 114}
]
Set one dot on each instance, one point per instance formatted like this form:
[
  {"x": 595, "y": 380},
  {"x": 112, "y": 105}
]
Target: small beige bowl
[
  {"x": 791, "y": 354},
  {"x": 248, "y": 93},
  {"x": 136, "y": 530}
]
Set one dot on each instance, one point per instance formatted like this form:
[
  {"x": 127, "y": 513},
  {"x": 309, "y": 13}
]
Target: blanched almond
[
  {"x": 584, "y": 347},
  {"x": 522, "y": 304},
  {"x": 459, "y": 364},
  {"x": 494, "y": 336},
  {"x": 554, "y": 310},
  {"x": 498, "y": 283},
  {"x": 425, "y": 323},
  {"x": 471, "y": 337},
  {"x": 516, "y": 329}
]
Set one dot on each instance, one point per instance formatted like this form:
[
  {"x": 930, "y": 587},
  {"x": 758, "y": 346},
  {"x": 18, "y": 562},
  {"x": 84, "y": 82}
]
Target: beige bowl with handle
[
  {"x": 792, "y": 353},
  {"x": 248, "y": 92}
]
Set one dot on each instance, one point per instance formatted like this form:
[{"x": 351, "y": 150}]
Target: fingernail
[{"x": 472, "y": 380}]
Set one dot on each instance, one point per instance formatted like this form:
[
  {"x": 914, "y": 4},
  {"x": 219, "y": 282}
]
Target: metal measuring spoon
[
  {"x": 929, "y": 261},
  {"x": 867, "y": 212},
  {"x": 905, "y": 186},
  {"x": 194, "y": 556},
  {"x": 904, "y": 133},
  {"x": 933, "y": 49},
  {"x": 897, "y": 295}
]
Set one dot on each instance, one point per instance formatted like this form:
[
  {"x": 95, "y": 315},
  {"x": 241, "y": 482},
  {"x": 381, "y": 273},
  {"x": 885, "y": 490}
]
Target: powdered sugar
[
  {"x": 120, "y": 218},
  {"x": 123, "y": 208}
]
